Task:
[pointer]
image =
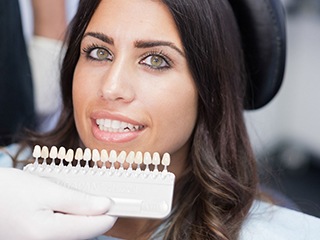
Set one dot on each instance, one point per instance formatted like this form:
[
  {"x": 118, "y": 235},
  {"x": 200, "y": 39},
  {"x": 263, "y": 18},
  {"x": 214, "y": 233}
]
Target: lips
[{"x": 114, "y": 126}]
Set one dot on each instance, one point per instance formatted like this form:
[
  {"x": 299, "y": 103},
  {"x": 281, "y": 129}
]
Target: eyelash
[
  {"x": 160, "y": 54},
  {"x": 88, "y": 50}
]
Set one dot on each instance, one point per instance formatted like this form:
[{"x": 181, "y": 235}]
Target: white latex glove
[{"x": 35, "y": 208}]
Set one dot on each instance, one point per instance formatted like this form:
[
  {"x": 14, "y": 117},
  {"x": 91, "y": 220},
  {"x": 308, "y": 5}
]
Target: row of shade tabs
[{"x": 102, "y": 158}]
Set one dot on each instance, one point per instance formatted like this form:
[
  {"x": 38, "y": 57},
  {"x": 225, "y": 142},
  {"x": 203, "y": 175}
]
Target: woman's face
[{"x": 132, "y": 89}]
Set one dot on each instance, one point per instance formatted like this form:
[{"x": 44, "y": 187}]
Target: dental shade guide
[{"x": 142, "y": 190}]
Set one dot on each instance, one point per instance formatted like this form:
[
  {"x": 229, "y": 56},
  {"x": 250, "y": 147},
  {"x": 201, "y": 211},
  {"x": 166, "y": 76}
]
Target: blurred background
[{"x": 286, "y": 133}]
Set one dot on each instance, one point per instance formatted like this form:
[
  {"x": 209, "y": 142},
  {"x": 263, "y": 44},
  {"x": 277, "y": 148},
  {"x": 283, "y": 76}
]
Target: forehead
[{"x": 139, "y": 19}]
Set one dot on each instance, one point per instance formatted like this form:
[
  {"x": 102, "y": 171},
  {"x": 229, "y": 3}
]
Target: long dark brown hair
[{"x": 214, "y": 196}]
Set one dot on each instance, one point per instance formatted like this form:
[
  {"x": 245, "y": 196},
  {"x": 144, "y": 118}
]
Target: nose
[{"x": 117, "y": 85}]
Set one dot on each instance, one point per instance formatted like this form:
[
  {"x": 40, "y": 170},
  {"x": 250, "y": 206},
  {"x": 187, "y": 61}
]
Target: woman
[
  {"x": 166, "y": 76},
  {"x": 180, "y": 88}
]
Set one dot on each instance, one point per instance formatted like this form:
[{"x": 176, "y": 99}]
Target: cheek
[
  {"x": 176, "y": 117},
  {"x": 84, "y": 86}
]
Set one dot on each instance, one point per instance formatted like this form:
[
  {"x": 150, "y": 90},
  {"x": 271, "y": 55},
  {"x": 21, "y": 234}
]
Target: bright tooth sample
[
  {"x": 165, "y": 161},
  {"x": 87, "y": 156},
  {"x": 61, "y": 153},
  {"x": 69, "y": 156},
  {"x": 104, "y": 157},
  {"x": 45, "y": 153},
  {"x": 121, "y": 158},
  {"x": 79, "y": 154},
  {"x": 95, "y": 157},
  {"x": 36, "y": 153},
  {"x": 53, "y": 153},
  {"x": 138, "y": 159},
  {"x": 156, "y": 161},
  {"x": 130, "y": 159},
  {"x": 156, "y": 158},
  {"x": 147, "y": 160},
  {"x": 112, "y": 158}
]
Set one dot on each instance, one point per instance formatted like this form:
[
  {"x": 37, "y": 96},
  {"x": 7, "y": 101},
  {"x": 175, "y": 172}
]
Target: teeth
[
  {"x": 45, "y": 152},
  {"x": 116, "y": 126},
  {"x": 122, "y": 157},
  {"x": 95, "y": 155},
  {"x": 36, "y": 151},
  {"x": 79, "y": 154},
  {"x": 130, "y": 157},
  {"x": 69, "y": 155},
  {"x": 53, "y": 152},
  {"x": 104, "y": 156},
  {"x": 113, "y": 156},
  {"x": 138, "y": 158},
  {"x": 61, "y": 153}
]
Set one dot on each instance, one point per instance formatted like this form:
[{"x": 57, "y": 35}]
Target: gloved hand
[{"x": 35, "y": 208}]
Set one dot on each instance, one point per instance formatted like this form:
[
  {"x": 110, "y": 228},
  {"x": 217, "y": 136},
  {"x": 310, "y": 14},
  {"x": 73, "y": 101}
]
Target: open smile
[{"x": 109, "y": 125}]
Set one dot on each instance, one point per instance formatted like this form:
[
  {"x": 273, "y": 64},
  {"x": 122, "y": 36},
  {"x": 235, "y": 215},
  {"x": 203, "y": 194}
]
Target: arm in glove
[{"x": 35, "y": 208}]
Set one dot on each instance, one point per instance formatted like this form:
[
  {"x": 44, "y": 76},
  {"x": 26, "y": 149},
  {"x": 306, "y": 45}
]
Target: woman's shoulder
[
  {"x": 8, "y": 152},
  {"x": 268, "y": 221}
]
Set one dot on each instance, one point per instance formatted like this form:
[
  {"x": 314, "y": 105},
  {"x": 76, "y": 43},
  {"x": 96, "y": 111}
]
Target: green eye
[
  {"x": 155, "y": 62},
  {"x": 100, "y": 54}
]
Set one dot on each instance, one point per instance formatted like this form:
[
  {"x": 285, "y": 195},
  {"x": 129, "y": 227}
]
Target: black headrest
[{"x": 262, "y": 26}]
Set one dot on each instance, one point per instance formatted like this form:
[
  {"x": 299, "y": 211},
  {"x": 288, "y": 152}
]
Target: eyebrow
[
  {"x": 99, "y": 36},
  {"x": 150, "y": 44},
  {"x": 137, "y": 44}
]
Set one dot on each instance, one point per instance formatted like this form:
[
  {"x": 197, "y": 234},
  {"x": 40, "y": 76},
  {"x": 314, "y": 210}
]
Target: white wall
[{"x": 294, "y": 115}]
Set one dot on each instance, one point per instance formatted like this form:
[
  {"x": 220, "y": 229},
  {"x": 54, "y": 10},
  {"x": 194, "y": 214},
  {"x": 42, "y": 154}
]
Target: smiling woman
[
  {"x": 167, "y": 76},
  {"x": 149, "y": 82}
]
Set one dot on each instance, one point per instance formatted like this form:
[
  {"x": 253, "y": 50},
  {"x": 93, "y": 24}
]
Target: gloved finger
[
  {"x": 81, "y": 227},
  {"x": 64, "y": 226},
  {"x": 74, "y": 202}
]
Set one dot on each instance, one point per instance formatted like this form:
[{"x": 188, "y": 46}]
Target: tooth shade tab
[
  {"x": 122, "y": 157},
  {"x": 95, "y": 155},
  {"x": 130, "y": 157},
  {"x": 147, "y": 158},
  {"x": 87, "y": 154},
  {"x": 62, "y": 153},
  {"x": 104, "y": 156},
  {"x": 69, "y": 155},
  {"x": 113, "y": 156},
  {"x": 79, "y": 154},
  {"x": 53, "y": 152},
  {"x": 36, "y": 151},
  {"x": 156, "y": 159},
  {"x": 45, "y": 152},
  {"x": 142, "y": 161},
  {"x": 165, "y": 161},
  {"x": 138, "y": 158}
]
